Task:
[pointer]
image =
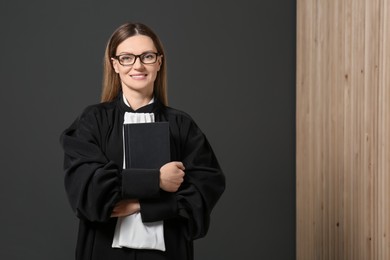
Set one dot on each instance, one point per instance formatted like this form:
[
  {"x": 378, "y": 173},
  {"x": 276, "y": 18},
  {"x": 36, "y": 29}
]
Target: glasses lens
[
  {"x": 148, "y": 58},
  {"x": 126, "y": 59}
]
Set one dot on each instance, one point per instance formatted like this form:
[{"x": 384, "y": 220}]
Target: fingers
[
  {"x": 180, "y": 165},
  {"x": 125, "y": 208},
  {"x": 114, "y": 214},
  {"x": 173, "y": 164},
  {"x": 171, "y": 176},
  {"x": 178, "y": 180}
]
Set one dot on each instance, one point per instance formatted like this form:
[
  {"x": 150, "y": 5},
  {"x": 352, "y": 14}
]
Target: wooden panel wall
[{"x": 343, "y": 129}]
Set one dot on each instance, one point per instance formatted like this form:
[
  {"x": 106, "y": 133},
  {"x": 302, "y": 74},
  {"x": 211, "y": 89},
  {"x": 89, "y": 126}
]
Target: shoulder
[
  {"x": 179, "y": 114},
  {"x": 99, "y": 114},
  {"x": 182, "y": 121},
  {"x": 94, "y": 117},
  {"x": 98, "y": 109}
]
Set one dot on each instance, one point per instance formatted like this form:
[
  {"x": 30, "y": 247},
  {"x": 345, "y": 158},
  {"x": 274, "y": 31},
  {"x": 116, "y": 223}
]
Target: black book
[{"x": 147, "y": 145}]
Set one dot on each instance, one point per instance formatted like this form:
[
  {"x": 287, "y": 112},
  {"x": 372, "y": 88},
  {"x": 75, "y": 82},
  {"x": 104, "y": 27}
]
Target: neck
[{"x": 137, "y": 99}]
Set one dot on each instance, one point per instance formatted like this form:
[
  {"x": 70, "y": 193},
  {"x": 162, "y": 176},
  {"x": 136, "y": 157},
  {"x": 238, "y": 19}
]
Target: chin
[{"x": 139, "y": 87}]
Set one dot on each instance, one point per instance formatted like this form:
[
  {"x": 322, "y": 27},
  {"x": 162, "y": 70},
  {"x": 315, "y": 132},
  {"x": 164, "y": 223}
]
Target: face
[{"x": 138, "y": 77}]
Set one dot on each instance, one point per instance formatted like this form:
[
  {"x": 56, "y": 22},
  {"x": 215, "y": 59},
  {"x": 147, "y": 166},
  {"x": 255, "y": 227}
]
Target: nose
[{"x": 138, "y": 64}]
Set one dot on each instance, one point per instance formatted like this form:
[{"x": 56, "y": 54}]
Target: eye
[
  {"x": 126, "y": 58},
  {"x": 149, "y": 56}
]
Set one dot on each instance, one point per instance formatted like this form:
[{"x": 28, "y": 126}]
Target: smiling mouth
[{"x": 138, "y": 76}]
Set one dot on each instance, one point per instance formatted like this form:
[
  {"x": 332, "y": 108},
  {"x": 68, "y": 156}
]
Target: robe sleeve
[
  {"x": 93, "y": 182},
  {"x": 203, "y": 185}
]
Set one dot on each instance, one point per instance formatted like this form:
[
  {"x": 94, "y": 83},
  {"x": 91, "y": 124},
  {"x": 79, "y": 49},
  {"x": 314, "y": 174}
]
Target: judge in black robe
[{"x": 95, "y": 182}]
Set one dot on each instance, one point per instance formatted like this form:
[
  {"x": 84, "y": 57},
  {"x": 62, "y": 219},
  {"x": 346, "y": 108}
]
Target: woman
[{"x": 180, "y": 194}]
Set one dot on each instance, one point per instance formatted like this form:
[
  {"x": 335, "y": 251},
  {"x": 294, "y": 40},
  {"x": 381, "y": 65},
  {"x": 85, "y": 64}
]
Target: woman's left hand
[{"x": 125, "y": 207}]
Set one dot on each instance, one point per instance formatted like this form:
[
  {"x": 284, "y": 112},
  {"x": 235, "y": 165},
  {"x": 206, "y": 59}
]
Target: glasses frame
[{"x": 136, "y": 57}]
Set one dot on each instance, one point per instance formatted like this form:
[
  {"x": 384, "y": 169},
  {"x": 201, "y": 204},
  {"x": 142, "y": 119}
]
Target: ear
[
  {"x": 159, "y": 62},
  {"x": 115, "y": 65}
]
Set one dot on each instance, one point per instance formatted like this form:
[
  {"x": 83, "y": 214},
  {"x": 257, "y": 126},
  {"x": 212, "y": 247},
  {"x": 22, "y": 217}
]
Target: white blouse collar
[{"x": 127, "y": 103}]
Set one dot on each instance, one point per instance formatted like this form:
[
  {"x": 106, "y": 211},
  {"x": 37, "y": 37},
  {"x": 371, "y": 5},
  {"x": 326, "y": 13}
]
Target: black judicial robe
[{"x": 95, "y": 182}]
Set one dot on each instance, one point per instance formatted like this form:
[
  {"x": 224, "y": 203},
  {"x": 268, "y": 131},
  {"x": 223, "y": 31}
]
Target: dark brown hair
[{"x": 111, "y": 80}]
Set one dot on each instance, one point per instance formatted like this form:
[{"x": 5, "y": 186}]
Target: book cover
[{"x": 147, "y": 145}]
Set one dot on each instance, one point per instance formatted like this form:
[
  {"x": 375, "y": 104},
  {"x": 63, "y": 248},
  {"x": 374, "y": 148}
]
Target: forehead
[{"x": 136, "y": 44}]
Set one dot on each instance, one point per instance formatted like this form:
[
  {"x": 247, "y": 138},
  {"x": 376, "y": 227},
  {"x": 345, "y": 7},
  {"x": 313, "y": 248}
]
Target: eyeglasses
[{"x": 129, "y": 59}]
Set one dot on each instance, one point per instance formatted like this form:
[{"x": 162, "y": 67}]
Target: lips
[{"x": 138, "y": 76}]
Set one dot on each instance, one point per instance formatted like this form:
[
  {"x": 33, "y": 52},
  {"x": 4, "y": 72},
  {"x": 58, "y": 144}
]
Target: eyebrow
[{"x": 124, "y": 52}]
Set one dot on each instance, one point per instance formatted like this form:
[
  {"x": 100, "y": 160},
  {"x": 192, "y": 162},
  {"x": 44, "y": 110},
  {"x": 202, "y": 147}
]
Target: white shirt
[{"x": 130, "y": 231}]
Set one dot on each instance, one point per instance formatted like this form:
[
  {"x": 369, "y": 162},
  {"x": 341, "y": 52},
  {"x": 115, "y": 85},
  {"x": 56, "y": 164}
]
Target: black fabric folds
[{"x": 95, "y": 181}]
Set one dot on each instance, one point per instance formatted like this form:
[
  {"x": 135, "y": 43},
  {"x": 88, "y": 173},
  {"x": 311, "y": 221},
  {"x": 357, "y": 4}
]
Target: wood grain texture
[{"x": 343, "y": 129}]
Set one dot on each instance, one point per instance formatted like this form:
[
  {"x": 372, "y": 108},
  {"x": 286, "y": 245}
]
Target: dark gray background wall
[{"x": 231, "y": 66}]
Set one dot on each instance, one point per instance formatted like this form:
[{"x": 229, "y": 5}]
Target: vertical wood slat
[{"x": 343, "y": 129}]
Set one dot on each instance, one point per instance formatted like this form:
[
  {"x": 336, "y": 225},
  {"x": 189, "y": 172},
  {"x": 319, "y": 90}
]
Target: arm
[
  {"x": 203, "y": 185},
  {"x": 94, "y": 184},
  {"x": 125, "y": 207},
  {"x": 171, "y": 177}
]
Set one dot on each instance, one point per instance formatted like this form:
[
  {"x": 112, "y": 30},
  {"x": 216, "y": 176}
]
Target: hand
[
  {"x": 125, "y": 207},
  {"x": 171, "y": 176}
]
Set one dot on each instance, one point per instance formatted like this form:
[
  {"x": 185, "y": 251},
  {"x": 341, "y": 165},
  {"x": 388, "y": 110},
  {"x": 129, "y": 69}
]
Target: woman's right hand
[{"x": 171, "y": 176}]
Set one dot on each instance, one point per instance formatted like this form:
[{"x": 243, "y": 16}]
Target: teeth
[{"x": 138, "y": 76}]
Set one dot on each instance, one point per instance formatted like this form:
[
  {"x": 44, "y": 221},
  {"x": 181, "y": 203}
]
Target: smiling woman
[
  {"x": 165, "y": 208},
  {"x": 137, "y": 64},
  {"x": 129, "y": 39}
]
